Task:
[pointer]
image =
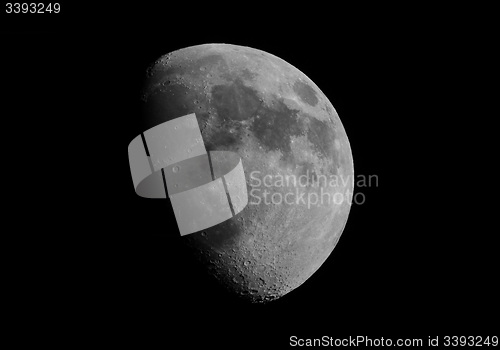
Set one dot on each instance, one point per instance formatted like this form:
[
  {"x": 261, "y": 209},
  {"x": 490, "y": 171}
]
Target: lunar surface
[{"x": 296, "y": 158}]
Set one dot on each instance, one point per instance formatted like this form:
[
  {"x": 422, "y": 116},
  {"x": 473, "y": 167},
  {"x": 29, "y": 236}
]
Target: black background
[{"x": 96, "y": 257}]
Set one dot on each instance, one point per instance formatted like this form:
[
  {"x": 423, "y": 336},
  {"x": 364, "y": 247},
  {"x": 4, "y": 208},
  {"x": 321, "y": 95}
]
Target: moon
[{"x": 295, "y": 153}]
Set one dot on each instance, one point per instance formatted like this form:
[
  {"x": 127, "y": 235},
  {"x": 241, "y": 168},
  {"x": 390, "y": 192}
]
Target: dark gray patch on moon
[
  {"x": 305, "y": 92},
  {"x": 235, "y": 101},
  {"x": 322, "y": 136}
]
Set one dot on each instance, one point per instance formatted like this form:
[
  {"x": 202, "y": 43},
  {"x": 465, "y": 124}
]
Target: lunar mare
[{"x": 279, "y": 123}]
